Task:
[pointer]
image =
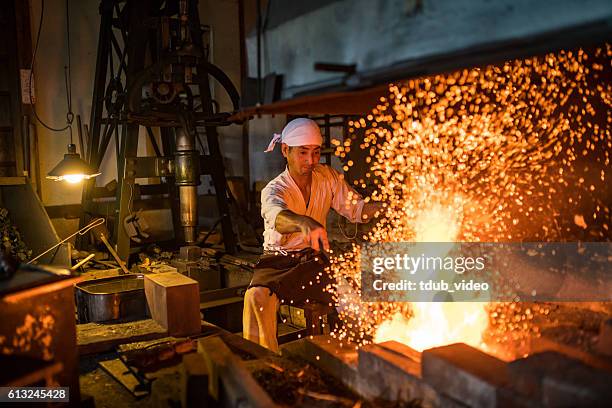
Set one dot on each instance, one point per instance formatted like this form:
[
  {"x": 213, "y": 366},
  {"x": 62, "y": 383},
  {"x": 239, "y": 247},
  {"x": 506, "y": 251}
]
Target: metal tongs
[{"x": 82, "y": 231}]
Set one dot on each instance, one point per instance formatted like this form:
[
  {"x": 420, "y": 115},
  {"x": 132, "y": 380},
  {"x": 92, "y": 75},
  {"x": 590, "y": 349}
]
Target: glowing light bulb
[{"x": 74, "y": 178}]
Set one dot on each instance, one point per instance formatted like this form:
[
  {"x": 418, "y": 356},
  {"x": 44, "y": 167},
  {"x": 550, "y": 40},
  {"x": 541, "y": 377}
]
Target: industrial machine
[{"x": 153, "y": 75}]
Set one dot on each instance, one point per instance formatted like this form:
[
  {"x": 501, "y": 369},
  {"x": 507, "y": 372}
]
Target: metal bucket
[{"x": 116, "y": 298}]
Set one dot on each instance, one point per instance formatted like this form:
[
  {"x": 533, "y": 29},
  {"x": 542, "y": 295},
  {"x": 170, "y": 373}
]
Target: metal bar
[
  {"x": 129, "y": 148},
  {"x": 80, "y": 134},
  {"x": 117, "y": 141},
  {"x": 114, "y": 254},
  {"x": 87, "y": 138},
  {"x": 97, "y": 107},
  {"x": 104, "y": 144},
  {"x": 136, "y": 49},
  {"x": 122, "y": 66},
  {"x": 115, "y": 44},
  {"x": 106, "y": 124},
  {"x": 106, "y": 12},
  {"x": 121, "y": 29},
  {"x": 82, "y": 231},
  {"x": 111, "y": 62},
  {"x": 83, "y": 262},
  {"x": 153, "y": 141},
  {"x": 167, "y": 139}
]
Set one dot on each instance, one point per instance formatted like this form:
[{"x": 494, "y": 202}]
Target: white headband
[{"x": 298, "y": 132}]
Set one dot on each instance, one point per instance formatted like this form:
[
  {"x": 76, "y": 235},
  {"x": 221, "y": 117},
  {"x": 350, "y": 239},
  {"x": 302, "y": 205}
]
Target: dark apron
[{"x": 294, "y": 278}]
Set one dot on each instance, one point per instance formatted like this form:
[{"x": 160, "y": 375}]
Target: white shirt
[{"x": 328, "y": 190}]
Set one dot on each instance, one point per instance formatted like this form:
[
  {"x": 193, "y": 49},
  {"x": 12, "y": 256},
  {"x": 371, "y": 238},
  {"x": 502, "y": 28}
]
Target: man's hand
[
  {"x": 314, "y": 234},
  {"x": 371, "y": 210}
]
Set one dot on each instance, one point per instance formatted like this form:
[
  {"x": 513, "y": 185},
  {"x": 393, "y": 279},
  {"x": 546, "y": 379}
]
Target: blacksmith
[{"x": 294, "y": 207}]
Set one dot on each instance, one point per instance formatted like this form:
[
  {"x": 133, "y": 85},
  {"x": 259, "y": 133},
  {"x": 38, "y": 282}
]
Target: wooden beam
[
  {"x": 12, "y": 181},
  {"x": 95, "y": 338}
]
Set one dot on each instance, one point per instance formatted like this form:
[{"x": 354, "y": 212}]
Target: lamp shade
[{"x": 72, "y": 168}]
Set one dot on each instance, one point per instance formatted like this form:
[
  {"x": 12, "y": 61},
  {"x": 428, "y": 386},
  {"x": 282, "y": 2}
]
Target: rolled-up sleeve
[
  {"x": 272, "y": 203},
  {"x": 346, "y": 201}
]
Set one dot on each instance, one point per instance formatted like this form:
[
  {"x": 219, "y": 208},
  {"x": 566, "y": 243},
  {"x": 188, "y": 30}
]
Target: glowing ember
[
  {"x": 503, "y": 153},
  {"x": 437, "y": 324}
]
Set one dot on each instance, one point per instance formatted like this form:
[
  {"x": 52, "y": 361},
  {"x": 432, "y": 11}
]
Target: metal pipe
[
  {"x": 82, "y": 262},
  {"x": 184, "y": 141},
  {"x": 187, "y": 178},
  {"x": 188, "y": 199}
]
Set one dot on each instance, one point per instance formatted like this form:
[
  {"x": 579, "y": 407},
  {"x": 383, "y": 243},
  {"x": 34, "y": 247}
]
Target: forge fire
[{"x": 492, "y": 154}]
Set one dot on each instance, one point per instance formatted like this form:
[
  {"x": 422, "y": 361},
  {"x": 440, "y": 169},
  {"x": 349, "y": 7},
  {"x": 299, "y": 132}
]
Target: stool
[
  {"x": 307, "y": 319},
  {"x": 316, "y": 315}
]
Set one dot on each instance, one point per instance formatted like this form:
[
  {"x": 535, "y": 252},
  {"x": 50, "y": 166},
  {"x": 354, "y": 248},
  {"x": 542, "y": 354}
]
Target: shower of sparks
[{"x": 502, "y": 153}]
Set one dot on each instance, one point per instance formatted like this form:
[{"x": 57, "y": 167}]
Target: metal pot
[{"x": 116, "y": 298}]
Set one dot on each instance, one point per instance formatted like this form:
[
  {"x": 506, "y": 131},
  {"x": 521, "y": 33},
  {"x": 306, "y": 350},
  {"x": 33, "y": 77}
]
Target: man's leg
[{"x": 259, "y": 317}]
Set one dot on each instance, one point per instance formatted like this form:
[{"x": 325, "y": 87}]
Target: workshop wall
[
  {"x": 265, "y": 166},
  {"x": 376, "y": 35},
  {"x": 51, "y": 104},
  {"x": 223, "y": 16}
]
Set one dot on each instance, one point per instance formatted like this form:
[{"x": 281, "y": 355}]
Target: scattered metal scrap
[{"x": 11, "y": 238}]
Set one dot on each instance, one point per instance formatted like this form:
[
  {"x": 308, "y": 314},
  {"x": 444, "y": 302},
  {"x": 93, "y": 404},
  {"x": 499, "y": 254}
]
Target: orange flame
[{"x": 437, "y": 324}]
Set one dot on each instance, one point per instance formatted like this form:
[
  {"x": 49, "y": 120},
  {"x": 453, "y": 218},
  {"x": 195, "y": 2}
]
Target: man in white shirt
[{"x": 294, "y": 208}]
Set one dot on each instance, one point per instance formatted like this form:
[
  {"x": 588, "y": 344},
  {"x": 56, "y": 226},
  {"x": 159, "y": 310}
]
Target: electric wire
[
  {"x": 67, "y": 79},
  {"x": 68, "y": 75},
  {"x": 342, "y": 229}
]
